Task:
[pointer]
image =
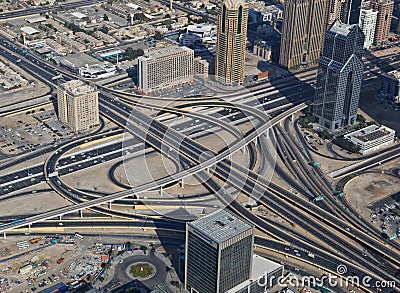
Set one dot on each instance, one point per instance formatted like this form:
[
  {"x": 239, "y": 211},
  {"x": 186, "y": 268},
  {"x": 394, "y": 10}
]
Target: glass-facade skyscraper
[
  {"x": 219, "y": 253},
  {"x": 339, "y": 76},
  {"x": 349, "y": 11}
]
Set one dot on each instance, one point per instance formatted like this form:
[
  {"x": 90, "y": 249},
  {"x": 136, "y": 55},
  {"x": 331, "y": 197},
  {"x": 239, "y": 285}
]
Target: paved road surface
[{"x": 122, "y": 270}]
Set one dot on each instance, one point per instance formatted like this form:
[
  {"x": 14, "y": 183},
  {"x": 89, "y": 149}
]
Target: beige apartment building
[
  {"x": 78, "y": 105},
  {"x": 303, "y": 32},
  {"x": 382, "y": 27},
  {"x": 163, "y": 68},
  {"x": 231, "y": 44},
  {"x": 201, "y": 67}
]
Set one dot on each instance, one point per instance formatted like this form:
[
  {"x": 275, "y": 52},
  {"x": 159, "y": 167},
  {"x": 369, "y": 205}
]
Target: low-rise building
[
  {"x": 201, "y": 67},
  {"x": 104, "y": 37},
  {"x": 371, "y": 138},
  {"x": 391, "y": 85},
  {"x": 55, "y": 45},
  {"x": 264, "y": 275},
  {"x": 262, "y": 49},
  {"x": 85, "y": 38},
  {"x": 202, "y": 30},
  {"x": 270, "y": 13},
  {"x": 189, "y": 39},
  {"x": 25, "y": 269},
  {"x": 76, "y": 46}
]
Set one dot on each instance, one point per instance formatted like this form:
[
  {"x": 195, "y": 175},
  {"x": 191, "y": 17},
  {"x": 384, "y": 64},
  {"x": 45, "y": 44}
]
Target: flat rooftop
[
  {"x": 167, "y": 51},
  {"x": 29, "y": 30},
  {"x": 79, "y": 60},
  {"x": 221, "y": 226},
  {"x": 77, "y": 87},
  {"x": 340, "y": 28},
  {"x": 370, "y": 133},
  {"x": 261, "y": 267},
  {"x": 394, "y": 73}
]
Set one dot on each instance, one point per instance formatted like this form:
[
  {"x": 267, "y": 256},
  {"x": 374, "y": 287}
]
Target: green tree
[
  {"x": 139, "y": 52},
  {"x": 360, "y": 118},
  {"x": 104, "y": 29},
  {"x": 347, "y": 145},
  {"x": 158, "y": 36},
  {"x": 324, "y": 134},
  {"x": 130, "y": 53},
  {"x": 144, "y": 248},
  {"x": 105, "y": 17},
  {"x": 139, "y": 16}
]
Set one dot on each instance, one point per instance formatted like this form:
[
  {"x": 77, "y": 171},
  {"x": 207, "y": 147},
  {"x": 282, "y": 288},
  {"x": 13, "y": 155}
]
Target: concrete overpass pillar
[
  {"x": 4, "y": 235},
  {"x": 81, "y": 213},
  {"x": 29, "y": 228},
  {"x": 244, "y": 150},
  {"x": 267, "y": 133},
  {"x": 208, "y": 170},
  {"x": 110, "y": 205},
  {"x": 182, "y": 183},
  {"x": 161, "y": 191},
  {"x": 59, "y": 217}
]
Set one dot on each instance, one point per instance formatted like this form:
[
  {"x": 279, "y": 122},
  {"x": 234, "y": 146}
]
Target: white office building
[
  {"x": 371, "y": 138},
  {"x": 367, "y": 24},
  {"x": 163, "y": 68}
]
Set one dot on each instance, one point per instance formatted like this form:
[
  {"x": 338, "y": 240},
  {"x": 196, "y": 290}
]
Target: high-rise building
[
  {"x": 349, "y": 11},
  {"x": 231, "y": 42},
  {"x": 78, "y": 105},
  {"x": 385, "y": 10},
  {"x": 163, "y": 68},
  {"x": 332, "y": 12},
  {"x": 219, "y": 253},
  {"x": 367, "y": 24},
  {"x": 339, "y": 76},
  {"x": 398, "y": 18},
  {"x": 302, "y": 33}
]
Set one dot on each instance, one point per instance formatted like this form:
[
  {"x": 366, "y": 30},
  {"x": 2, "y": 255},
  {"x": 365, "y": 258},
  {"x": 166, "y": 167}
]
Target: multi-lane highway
[{"x": 186, "y": 152}]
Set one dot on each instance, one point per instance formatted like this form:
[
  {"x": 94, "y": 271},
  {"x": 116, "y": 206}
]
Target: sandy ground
[
  {"x": 25, "y": 93},
  {"x": 94, "y": 178},
  {"x": 367, "y": 189},
  {"x": 37, "y": 203}
]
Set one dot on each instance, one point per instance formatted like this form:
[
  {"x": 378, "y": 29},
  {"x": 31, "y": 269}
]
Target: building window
[
  {"x": 223, "y": 18},
  {"x": 240, "y": 16}
]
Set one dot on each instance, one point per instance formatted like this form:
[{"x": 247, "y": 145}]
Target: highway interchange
[{"x": 323, "y": 220}]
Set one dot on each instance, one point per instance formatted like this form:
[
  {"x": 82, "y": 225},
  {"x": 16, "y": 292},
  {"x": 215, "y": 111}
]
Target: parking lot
[{"x": 29, "y": 131}]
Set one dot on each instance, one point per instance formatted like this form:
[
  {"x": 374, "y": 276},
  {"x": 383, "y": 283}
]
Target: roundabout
[{"x": 148, "y": 268}]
